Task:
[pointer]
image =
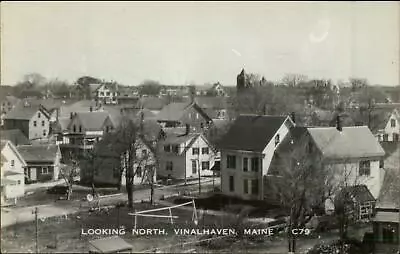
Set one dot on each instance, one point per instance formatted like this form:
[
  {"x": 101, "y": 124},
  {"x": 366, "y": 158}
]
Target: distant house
[
  {"x": 186, "y": 155},
  {"x": 247, "y": 150},
  {"x": 214, "y": 107},
  {"x": 12, "y": 172},
  {"x": 182, "y": 113},
  {"x": 33, "y": 121},
  {"x": 388, "y": 127},
  {"x": 107, "y": 93},
  {"x": 210, "y": 90},
  {"x": 43, "y": 162},
  {"x": 85, "y": 129},
  {"x": 7, "y": 104},
  {"x": 15, "y": 136}
]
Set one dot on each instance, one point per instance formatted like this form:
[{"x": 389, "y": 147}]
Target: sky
[{"x": 179, "y": 43}]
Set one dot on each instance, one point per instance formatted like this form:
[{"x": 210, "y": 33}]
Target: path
[{"x": 10, "y": 216}]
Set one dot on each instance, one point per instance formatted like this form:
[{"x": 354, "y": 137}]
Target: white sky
[{"x": 177, "y": 43}]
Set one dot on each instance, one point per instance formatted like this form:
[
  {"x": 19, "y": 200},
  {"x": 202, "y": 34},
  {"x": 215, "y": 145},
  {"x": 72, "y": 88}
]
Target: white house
[
  {"x": 184, "y": 156},
  {"x": 352, "y": 153},
  {"x": 12, "y": 171},
  {"x": 389, "y": 128},
  {"x": 107, "y": 93},
  {"x": 246, "y": 153}
]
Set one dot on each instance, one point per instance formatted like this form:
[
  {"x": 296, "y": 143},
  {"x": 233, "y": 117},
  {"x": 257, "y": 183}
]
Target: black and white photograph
[{"x": 200, "y": 127}]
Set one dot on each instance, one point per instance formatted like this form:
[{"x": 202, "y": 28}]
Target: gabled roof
[
  {"x": 79, "y": 106},
  {"x": 5, "y": 143},
  {"x": 12, "y": 99},
  {"x": 211, "y": 102},
  {"x": 389, "y": 194},
  {"x": 39, "y": 153},
  {"x": 251, "y": 132},
  {"x": 92, "y": 121},
  {"x": 15, "y": 136},
  {"x": 173, "y": 111},
  {"x": 351, "y": 142},
  {"x": 22, "y": 112},
  {"x": 360, "y": 193}
]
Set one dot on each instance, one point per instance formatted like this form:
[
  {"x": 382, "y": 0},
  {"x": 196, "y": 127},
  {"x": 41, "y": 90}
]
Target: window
[
  {"x": 231, "y": 161},
  {"x": 385, "y": 137},
  {"x": 245, "y": 186},
  {"x": 107, "y": 93},
  {"x": 44, "y": 170},
  {"x": 379, "y": 137},
  {"x": 204, "y": 150},
  {"x": 392, "y": 122},
  {"x": 144, "y": 153},
  {"x": 175, "y": 148},
  {"x": 195, "y": 151},
  {"x": 231, "y": 183},
  {"x": 139, "y": 172},
  {"x": 205, "y": 165},
  {"x": 197, "y": 115},
  {"x": 255, "y": 164},
  {"x": 254, "y": 186},
  {"x": 395, "y": 137},
  {"x": 80, "y": 128},
  {"x": 310, "y": 147},
  {"x": 245, "y": 164},
  {"x": 381, "y": 164},
  {"x": 74, "y": 128},
  {"x": 167, "y": 148},
  {"x": 42, "y": 123},
  {"x": 365, "y": 168},
  {"x": 194, "y": 167},
  {"x": 116, "y": 173},
  {"x": 201, "y": 125},
  {"x": 277, "y": 139},
  {"x": 34, "y": 123},
  {"x": 38, "y": 115},
  {"x": 19, "y": 182},
  {"x": 44, "y": 133},
  {"x": 169, "y": 166},
  {"x": 12, "y": 163}
]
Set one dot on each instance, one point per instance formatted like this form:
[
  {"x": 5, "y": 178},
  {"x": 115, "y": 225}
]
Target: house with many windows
[
  {"x": 32, "y": 120},
  {"x": 42, "y": 162},
  {"x": 107, "y": 93},
  {"x": 12, "y": 172},
  {"x": 85, "y": 129},
  {"x": 186, "y": 155},
  {"x": 389, "y": 128},
  {"x": 247, "y": 150}
]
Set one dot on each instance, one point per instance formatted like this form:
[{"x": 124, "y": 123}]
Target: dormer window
[
  {"x": 392, "y": 122},
  {"x": 38, "y": 115}
]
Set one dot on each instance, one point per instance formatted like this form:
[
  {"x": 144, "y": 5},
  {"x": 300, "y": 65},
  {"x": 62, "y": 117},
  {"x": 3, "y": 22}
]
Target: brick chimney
[
  {"x": 338, "y": 123},
  {"x": 293, "y": 117},
  {"x": 187, "y": 129}
]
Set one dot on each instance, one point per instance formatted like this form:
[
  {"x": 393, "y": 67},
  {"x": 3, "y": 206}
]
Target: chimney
[
  {"x": 187, "y": 129},
  {"x": 71, "y": 115},
  {"x": 293, "y": 117},
  {"x": 338, "y": 123}
]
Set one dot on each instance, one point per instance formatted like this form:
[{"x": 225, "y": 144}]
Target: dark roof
[
  {"x": 360, "y": 193},
  {"x": 217, "y": 166},
  {"x": 92, "y": 120},
  {"x": 79, "y": 106},
  {"x": 173, "y": 111},
  {"x": 251, "y": 132},
  {"x": 12, "y": 99},
  {"x": 38, "y": 153},
  {"x": 152, "y": 103},
  {"x": 293, "y": 137},
  {"x": 110, "y": 245},
  {"x": 22, "y": 112},
  {"x": 15, "y": 136},
  {"x": 210, "y": 102},
  {"x": 390, "y": 192}
]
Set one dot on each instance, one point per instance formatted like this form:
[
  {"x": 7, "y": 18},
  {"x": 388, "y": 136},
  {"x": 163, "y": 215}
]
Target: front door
[{"x": 33, "y": 175}]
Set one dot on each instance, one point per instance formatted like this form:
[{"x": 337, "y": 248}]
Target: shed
[{"x": 109, "y": 245}]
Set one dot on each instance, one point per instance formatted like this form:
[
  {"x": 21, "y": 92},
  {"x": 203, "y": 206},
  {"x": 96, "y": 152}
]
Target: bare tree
[
  {"x": 300, "y": 184},
  {"x": 69, "y": 172}
]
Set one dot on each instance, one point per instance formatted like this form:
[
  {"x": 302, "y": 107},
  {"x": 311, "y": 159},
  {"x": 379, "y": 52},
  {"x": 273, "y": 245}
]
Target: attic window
[
  {"x": 38, "y": 115},
  {"x": 167, "y": 148},
  {"x": 392, "y": 122}
]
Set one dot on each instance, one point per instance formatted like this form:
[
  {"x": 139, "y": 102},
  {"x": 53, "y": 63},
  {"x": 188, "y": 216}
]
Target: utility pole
[
  {"x": 198, "y": 161},
  {"x": 36, "y": 229}
]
